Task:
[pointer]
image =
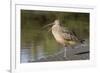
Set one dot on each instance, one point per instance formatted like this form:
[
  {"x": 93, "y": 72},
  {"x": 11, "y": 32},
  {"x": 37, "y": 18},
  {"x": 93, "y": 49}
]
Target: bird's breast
[{"x": 58, "y": 37}]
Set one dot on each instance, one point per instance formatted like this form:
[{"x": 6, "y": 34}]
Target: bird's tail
[{"x": 80, "y": 40}]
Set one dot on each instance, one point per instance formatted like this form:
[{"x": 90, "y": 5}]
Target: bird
[{"x": 64, "y": 36}]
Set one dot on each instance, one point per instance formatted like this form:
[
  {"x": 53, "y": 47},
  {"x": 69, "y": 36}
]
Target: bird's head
[{"x": 57, "y": 22}]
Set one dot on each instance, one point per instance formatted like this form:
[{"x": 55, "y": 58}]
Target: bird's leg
[{"x": 65, "y": 51}]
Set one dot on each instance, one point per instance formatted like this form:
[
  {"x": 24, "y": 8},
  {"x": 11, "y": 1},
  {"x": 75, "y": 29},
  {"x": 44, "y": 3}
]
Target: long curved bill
[
  {"x": 49, "y": 29},
  {"x": 47, "y": 25}
]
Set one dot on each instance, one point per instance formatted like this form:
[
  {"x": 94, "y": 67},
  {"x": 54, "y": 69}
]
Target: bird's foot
[{"x": 65, "y": 57}]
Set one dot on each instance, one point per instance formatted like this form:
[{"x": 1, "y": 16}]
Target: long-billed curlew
[{"x": 63, "y": 36}]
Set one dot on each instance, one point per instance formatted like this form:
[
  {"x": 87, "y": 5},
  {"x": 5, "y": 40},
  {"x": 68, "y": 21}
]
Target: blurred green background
[{"x": 41, "y": 42}]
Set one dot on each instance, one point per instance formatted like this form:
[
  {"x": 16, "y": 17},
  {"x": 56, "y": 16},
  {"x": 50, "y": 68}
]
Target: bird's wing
[{"x": 68, "y": 35}]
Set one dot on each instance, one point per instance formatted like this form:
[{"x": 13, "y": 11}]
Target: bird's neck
[
  {"x": 56, "y": 27},
  {"x": 57, "y": 24}
]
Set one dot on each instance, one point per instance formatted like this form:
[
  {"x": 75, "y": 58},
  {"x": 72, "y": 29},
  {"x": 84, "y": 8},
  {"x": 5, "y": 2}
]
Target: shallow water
[{"x": 38, "y": 46}]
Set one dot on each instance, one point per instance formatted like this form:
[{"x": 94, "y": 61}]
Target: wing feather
[{"x": 68, "y": 35}]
